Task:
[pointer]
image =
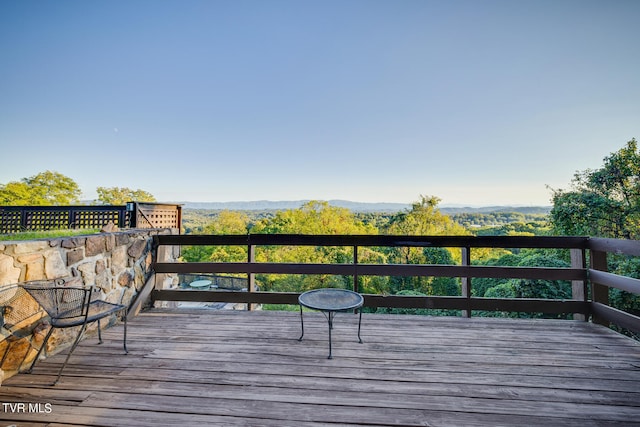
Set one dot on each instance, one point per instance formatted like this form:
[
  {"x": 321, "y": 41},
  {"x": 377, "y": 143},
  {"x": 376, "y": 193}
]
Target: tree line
[
  {"x": 599, "y": 203},
  {"x": 50, "y": 188},
  {"x": 491, "y": 223},
  {"x": 497, "y": 219}
]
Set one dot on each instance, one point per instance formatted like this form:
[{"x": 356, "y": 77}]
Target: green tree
[
  {"x": 226, "y": 222},
  {"x": 525, "y": 288},
  {"x": 122, "y": 195},
  {"x": 314, "y": 217},
  {"x": 604, "y": 202},
  {"x": 424, "y": 219},
  {"x": 16, "y": 193},
  {"x": 45, "y": 188},
  {"x": 229, "y": 222}
]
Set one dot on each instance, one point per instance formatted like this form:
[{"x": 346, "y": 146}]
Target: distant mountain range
[{"x": 266, "y": 205}]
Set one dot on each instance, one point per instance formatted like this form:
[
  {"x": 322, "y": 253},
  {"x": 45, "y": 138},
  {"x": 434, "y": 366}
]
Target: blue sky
[{"x": 477, "y": 102}]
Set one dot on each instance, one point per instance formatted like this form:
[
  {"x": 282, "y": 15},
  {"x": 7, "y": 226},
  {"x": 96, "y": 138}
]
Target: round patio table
[
  {"x": 331, "y": 301},
  {"x": 198, "y": 284}
]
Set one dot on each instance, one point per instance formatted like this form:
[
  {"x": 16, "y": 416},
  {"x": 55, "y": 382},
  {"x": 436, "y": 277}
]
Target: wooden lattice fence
[
  {"x": 15, "y": 219},
  {"x": 155, "y": 215}
]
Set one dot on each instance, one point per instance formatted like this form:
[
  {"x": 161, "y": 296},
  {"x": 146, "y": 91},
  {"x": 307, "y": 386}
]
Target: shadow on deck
[{"x": 206, "y": 367}]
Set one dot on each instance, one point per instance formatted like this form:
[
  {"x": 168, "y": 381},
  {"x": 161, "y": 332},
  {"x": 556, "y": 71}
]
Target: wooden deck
[{"x": 203, "y": 367}]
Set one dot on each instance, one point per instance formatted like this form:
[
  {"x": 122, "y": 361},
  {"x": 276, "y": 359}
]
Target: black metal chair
[{"x": 69, "y": 306}]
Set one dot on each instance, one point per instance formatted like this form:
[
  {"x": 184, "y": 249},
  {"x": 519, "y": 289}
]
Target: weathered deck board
[{"x": 248, "y": 368}]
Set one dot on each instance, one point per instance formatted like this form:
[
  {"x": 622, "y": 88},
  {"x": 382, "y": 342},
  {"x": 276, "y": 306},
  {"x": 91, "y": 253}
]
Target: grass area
[{"x": 49, "y": 234}]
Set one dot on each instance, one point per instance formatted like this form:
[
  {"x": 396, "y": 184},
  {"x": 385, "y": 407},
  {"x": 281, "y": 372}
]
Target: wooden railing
[
  {"x": 585, "y": 303},
  {"x": 601, "y": 281}
]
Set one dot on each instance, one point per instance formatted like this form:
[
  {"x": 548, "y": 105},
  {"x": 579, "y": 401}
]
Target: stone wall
[{"x": 118, "y": 263}]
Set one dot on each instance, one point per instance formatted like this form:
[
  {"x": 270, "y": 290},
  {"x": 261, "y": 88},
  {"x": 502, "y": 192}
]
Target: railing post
[
  {"x": 251, "y": 277},
  {"x": 356, "y": 285},
  {"x": 125, "y": 216},
  {"x": 162, "y": 281},
  {"x": 133, "y": 219},
  {"x": 599, "y": 293},
  {"x": 578, "y": 287},
  {"x": 466, "y": 281},
  {"x": 24, "y": 217}
]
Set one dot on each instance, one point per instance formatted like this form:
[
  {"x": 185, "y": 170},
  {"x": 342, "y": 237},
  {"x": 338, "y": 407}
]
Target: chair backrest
[
  {"x": 18, "y": 311},
  {"x": 58, "y": 300},
  {"x": 15, "y": 307}
]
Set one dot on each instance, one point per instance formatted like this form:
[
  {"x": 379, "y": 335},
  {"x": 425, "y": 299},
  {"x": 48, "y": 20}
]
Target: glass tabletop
[{"x": 331, "y": 299}]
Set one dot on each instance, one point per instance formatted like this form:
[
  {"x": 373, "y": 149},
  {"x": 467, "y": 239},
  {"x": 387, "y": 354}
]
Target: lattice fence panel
[
  {"x": 10, "y": 222},
  {"x": 14, "y": 219},
  {"x": 150, "y": 216},
  {"x": 96, "y": 219},
  {"x": 38, "y": 220}
]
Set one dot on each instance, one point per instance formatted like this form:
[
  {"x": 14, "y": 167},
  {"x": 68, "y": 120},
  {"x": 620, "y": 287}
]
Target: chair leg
[
  {"x": 126, "y": 351},
  {"x": 99, "y": 333},
  {"x": 301, "y": 325},
  {"x": 73, "y": 347},
  {"x": 44, "y": 344}
]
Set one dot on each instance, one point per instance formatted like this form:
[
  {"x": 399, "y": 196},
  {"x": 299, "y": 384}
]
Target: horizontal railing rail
[
  {"x": 550, "y": 242},
  {"x": 602, "y": 281},
  {"x": 578, "y": 273},
  {"x": 546, "y": 273}
]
